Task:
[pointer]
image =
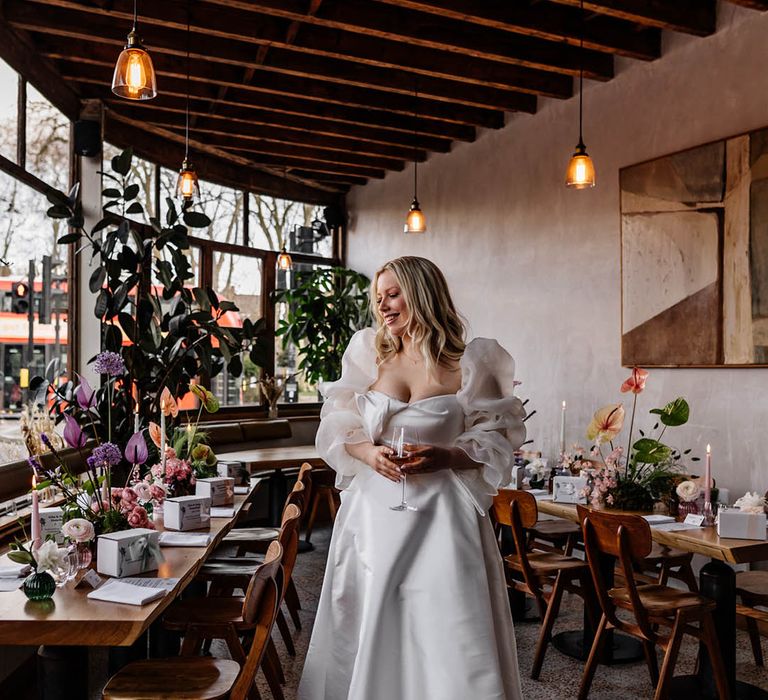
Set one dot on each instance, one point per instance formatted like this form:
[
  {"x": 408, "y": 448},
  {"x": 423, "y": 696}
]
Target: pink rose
[
  {"x": 129, "y": 496},
  {"x": 143, "y": 491},
  {"x": 138, "y": 517},
  {"x": 158, "y": 492}
]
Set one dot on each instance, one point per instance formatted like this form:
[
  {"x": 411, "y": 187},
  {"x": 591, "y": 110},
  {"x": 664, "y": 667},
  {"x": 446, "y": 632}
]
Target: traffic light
[{"x": 20, "y": 300}]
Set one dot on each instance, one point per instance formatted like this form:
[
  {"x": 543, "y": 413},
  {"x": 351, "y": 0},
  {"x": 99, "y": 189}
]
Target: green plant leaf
[
  {"x": 135, "y": 208},
  {"x": 648, "y": 451},
  {"x": 674, "y": 413},
  {"x": 131, "y": 192},
  {"x": 21, "y": 557},
  {"x": 196, "y": 219},
  {"x": 69, "y": 238},
  {"x": 96, "y": 280},
  {"x": 122, "y": 164}
]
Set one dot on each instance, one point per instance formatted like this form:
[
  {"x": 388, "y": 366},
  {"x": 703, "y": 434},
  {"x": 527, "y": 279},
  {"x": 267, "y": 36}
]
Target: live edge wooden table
[
  {"x": 69, "y": 623},
  {"x": 717, "y": 581}
]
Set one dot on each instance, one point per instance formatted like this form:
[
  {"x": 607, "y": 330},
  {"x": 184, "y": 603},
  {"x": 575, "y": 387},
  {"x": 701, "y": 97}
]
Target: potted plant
[{"x": 325, "y": 309}]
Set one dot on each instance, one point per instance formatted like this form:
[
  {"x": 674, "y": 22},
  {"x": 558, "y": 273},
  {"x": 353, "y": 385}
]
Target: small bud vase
[
  {"x": 687, "y": 508},
  {"x": 39, "y": 586}
]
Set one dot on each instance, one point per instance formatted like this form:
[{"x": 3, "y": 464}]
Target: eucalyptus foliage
[
  {"x": 142, "y": 280},
  {"x": 324, "y": 311}
]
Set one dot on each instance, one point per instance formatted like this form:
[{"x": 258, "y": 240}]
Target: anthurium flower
[
  {"x": 73, "y": 433},
  {"x": 168, "y": 404},
  {"x": 209, "y": 401},
  {"x": 136, "y": 450},
  {"x": 85, "y": 394},
  {"x": 154, "y": 433},
  {"x": 635, "y": 383},
  {"x": 606, "y": 424}
]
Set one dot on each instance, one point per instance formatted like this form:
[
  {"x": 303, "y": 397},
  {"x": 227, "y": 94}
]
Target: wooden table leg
[{"x": 62, "y": 673}]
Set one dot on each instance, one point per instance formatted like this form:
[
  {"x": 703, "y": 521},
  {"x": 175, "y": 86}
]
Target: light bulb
[
  {"x": 415, "y": 222},
  {"x": 581, "y": 170}
]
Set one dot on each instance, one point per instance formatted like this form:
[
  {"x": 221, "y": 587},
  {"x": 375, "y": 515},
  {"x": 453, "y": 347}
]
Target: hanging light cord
[
  {"x": 186, "y": 131},
  {"x": 134, "y": 14},
  {"x": 415, "y": 146},
  {"x": 581, "y": 71}
]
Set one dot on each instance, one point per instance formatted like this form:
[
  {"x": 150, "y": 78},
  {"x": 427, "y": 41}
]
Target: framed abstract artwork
[{"x": 694, "y": 256}]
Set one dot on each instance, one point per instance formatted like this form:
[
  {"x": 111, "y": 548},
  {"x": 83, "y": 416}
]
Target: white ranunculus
[
  {"x": 687, "y": 491},
  {"x": 49, "y": 557},
  {"x": 751, "y": 503},
  {"x": 537, "y": 469},
  {"x": 78, "y": 530}
]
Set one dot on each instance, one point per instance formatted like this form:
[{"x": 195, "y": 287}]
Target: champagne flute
[{"x": 400, "y": 438}]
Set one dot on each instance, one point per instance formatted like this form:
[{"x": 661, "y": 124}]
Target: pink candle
[
  {"x": 35, "y": 519},
  {"x": 708, "y": 476}
]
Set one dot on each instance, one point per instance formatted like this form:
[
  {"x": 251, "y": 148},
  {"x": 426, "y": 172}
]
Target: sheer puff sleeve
[
  {"x": 493, "y": 419},
  {"x": 340, "y": 420}
]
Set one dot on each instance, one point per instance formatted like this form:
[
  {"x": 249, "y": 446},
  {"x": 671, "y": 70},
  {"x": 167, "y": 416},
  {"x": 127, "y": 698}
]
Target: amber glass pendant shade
[
  {"x": 581, "y": 170},
  {"x": 134, "y": 77},
  {"x": 187, "y": 187},
  {"x": 416, "y": 222},
  {"x": 284, "y": 261}
]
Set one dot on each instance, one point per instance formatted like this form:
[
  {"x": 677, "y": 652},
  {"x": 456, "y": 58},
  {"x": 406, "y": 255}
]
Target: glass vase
[
  {"x": 84, "y": 554},
  {"x": 39, "y": 586},
  {"x": 272, "y": 411},
  {"x": 687, "y": 508}
]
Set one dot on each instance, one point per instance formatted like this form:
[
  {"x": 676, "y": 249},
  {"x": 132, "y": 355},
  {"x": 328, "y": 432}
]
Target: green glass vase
[{"x": 39, "y": 586}]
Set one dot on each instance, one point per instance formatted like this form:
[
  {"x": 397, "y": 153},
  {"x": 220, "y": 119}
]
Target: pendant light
[
  {"x": 187, "y": 186},
  {"x": 284, "y": 260},
  {"x": 134, "y": 76},
  {"x": 415, "y": 222},
  {"x": 581, "y": 169}
]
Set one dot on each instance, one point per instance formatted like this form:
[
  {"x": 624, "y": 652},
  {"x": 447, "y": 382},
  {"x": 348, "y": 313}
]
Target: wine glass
[{"x": 401, "y": 437}]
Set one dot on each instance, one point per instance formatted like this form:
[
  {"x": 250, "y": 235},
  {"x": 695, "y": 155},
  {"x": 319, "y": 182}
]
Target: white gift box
[
  {"x": 187, "y": 513},
  {"x": 220, "y": 489},
  {"x": 128, "y": 553},
  {"x": 233, "y": 470},
  {"x": 51, "y": 520},
  {"x": 568, "y": 489},
  {"x": 741, "y": 526}
]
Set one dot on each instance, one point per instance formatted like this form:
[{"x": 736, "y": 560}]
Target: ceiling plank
[
  {"x": 211, "y": 75},
  {"x": 330, "y": 118},
  {"x": 168, "y": 151},
  {"x": 445, "y": 34},
  {"x": 329, "y": 178},
  {"x": 230, "y": 34},
  {"x": 554, "y": 23},
  {"x": 264, "y": 123},
  {"x": 19, "y": 52},
  {"x": 760, "y": 5},
  {"x": 697, "y": 17}
]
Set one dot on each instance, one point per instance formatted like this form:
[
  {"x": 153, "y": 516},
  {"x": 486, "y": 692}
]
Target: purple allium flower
[
  {"x": 73, "y": 434},
  {"x": 46, "y": 440},
  {"x": 85, "y": 395},
  {"x": 35, "y": 464},
  {"x": 136, "y": 449},
  {"x": 110, "y": 363},
  {"x": 106, "y": 454}
]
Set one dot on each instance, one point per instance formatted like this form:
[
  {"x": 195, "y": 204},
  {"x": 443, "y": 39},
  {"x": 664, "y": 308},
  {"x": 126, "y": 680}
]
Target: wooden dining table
[
  {"x": 69, "y": 623},
  {"x": 717, "y": 580}
]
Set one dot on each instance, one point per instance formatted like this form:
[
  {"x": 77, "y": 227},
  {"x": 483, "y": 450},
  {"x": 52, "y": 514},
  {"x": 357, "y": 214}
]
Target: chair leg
[
  {"x": 663, "y": 574},
  {"x": 271, "y": 674},
  {"x": 594, "y": 656},
  {"x": 192, "y": 643},
  {"x": 649, "y": 651},
  {"x": 715, "y": 657},
  {"x": 686, "y": 575},
  {"x": 670, "y": 658},
  {"x": 548, "y": 622},
  {"x": 754, "y": 640},
  {"x": 293, "y": 603},
  {"x": 312, "y": 514},
  {"x": 274, "y": 660},
  {"x": 285, "y": 633}
]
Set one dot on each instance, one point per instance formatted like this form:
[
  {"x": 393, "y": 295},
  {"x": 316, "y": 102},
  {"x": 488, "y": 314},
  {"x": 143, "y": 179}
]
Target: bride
[{"x": 414, "y": 602}]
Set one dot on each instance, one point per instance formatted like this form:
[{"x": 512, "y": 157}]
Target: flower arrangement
[
  {"x": 575, "y": 460},
  {"x": 173, "y": 474},
  {"x": 537, "y": 472},
  {"x": 635, "y": 478},
  {"x": 272, "y": 389},
  {"x": 47, "y": 557}
]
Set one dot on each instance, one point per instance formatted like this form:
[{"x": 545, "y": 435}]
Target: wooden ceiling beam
[
  {"x": 19, "y": 52},
  {"x": 221, "y": 138},
  {"x": 295, "y": 162},
  {"x": 555, "y": 23},
  {"x": 445, "y": 34},
  {"x": 230, "y": 34},
  {"x": 168, "y": 151},
  {"x": 331, "y": 179},
  {"x": 265, "y": 123},
  {"x": 209, "y": 75},
  {"x": 697, "y": 17},
  {"x": 760, "y": 5},
  {"x": 252, "y": 106}
]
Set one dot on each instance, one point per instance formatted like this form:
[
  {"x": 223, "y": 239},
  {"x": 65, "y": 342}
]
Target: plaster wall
[{"x": 537, "y": 266}]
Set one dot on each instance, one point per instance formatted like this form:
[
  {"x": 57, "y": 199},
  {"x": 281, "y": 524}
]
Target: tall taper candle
[
  {"x": 708, "y": 476},
  {"x": 136, "y": 420},
  {"x": 162, "y": 440},
  {"x": 35, "y": 519},
  {"x": 562, "y": 431}
]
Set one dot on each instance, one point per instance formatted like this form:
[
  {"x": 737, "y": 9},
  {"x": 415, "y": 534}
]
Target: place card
[
  {"x": 51, "y": 520},
  {"x": 90, "y": 578},
  {"x": 694, "y": 519},
  {"x": 226, "y": 512}
]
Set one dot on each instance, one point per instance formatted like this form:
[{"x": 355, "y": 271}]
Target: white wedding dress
[{"x": 414, "y": 604}]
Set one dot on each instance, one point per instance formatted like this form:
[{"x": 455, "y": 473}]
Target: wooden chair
[
  {"x": 752, "y": 588},
  {"x": 545, "y": 575},
  {"x": 323, "y": 487},
  {"x": 195, "y": 678},
  {"x": 626, "y": 539}
]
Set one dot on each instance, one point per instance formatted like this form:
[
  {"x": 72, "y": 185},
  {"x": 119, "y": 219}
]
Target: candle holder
[{"x": 709, "y": 515}]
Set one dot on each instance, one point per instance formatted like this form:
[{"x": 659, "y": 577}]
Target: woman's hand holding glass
[{"x": 378, "y": 459}]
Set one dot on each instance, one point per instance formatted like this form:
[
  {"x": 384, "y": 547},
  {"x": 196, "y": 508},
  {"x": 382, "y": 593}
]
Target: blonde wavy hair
[{"x": 434, "y": 325}]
